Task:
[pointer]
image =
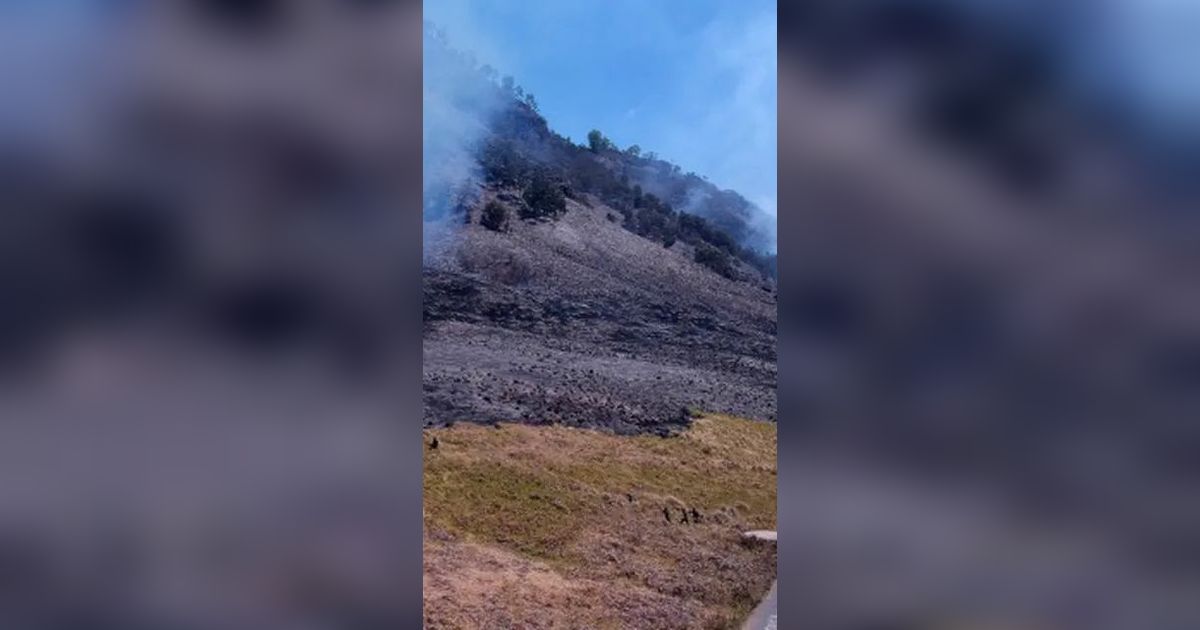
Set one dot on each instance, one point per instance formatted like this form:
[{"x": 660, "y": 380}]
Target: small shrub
[
  {"x": 543, "y": 199},
  {"x": 494, "y": 217},
  {"x": 715, "y": 259}
]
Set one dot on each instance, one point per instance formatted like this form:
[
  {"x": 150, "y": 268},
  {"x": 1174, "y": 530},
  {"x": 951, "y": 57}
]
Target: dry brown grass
[{"x": 554, "y": 527}]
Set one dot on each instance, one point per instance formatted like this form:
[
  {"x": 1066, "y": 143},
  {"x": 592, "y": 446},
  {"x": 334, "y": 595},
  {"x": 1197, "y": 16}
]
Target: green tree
[
  {"x": 634, "y": 150},
  {"x": 596, "y": 141}
]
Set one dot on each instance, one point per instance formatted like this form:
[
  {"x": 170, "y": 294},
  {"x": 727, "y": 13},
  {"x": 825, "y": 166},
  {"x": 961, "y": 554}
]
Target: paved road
[{"x": 766, "y": 615}]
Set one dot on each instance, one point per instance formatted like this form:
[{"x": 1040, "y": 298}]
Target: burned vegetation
[
  {"x": 585, "y": 284},
  {"x": 524, "y": 155}
]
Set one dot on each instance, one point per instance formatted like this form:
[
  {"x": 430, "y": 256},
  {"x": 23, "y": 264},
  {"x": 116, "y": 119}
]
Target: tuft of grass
[
  {"x": 589, "y": 506},
  {"x": 485, "y": 500}
]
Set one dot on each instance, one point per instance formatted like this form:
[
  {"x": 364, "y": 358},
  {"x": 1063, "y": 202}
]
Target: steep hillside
[
  {"x": 483, "y": 128},
  {"x": 580, "y": 321},
  {"x": 566, "y": 284}
]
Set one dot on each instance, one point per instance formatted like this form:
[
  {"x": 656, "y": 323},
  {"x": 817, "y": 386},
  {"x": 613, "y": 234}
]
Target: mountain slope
[
  {"x": 581, "y": 285},
  {"x": 481, "y": 128},
  {"x": 581, "y": 322}
]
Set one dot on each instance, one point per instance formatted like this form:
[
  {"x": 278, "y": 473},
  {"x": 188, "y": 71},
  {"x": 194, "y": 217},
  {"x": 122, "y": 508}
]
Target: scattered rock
[
  {"x": 604, "y": 329},
  {"x": 759, "y": 536}
]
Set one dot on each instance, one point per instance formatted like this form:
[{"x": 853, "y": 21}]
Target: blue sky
[{"x": 692, "y": 80}]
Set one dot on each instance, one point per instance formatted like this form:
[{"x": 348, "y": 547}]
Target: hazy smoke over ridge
[
  {"x": 458, "y": 105},
  {"x": 463, "y": 98}
]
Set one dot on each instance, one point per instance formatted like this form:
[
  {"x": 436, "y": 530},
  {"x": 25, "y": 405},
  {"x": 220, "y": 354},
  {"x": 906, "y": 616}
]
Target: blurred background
[
  {"x": 209, "y": 350},
  {"x": 209, "y": 347},
  {"x": 990, "y": 335}
]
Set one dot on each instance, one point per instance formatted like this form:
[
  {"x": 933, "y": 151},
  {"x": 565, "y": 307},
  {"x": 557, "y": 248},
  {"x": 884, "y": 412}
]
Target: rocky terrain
[
  {"x": 581, "y": 322},
  {"x": 580, "y": 284}
]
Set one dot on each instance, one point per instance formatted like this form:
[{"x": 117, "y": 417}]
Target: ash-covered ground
[{"x": 581, "y": 322}]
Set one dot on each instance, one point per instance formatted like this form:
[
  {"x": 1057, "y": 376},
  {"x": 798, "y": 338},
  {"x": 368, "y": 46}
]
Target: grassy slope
[{"x": 559, "y": 527}]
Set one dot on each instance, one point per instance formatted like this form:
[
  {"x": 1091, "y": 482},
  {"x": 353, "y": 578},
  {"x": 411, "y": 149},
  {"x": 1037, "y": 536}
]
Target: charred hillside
[
  {"x": 515, "y": 148},
  {"x": 585, "y": 285}
]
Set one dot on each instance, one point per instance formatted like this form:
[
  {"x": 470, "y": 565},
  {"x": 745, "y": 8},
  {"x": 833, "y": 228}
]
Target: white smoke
[{"x": 459, "y": 101}]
